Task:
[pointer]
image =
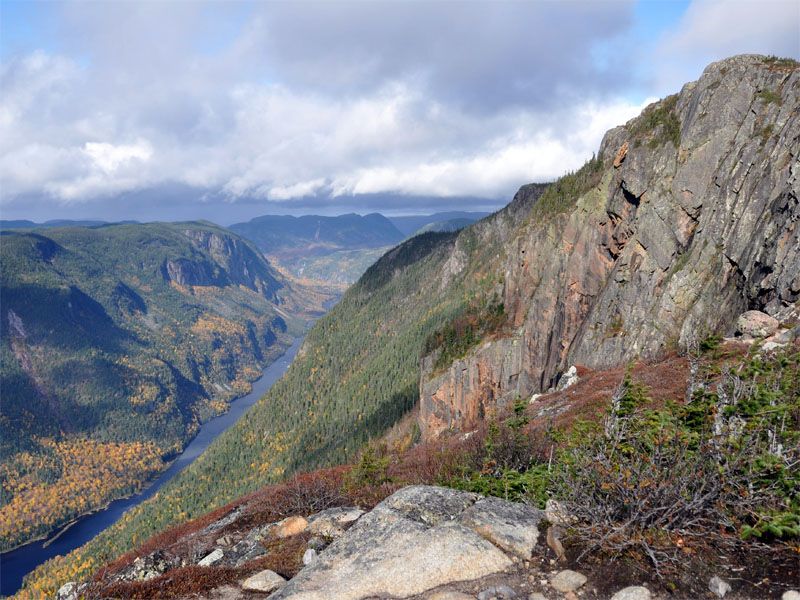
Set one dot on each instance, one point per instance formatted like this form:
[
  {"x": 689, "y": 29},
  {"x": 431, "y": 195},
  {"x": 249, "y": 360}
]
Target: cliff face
[
  {"x": 694, "y": 220},
  {"x": 233, "y": 262}
]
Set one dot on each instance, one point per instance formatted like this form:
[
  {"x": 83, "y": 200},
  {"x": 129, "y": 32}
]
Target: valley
[
  {"x": 631, "y": 275},
  {"x": 118, "y": 343},
  {"x": 19, "y": 562},
  {"x": 336, "y": 251}
]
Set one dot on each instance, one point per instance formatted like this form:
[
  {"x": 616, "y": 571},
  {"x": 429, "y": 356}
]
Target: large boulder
[
  {"x": 757, "y": 324},
  {"x": 418, "y": 539}
]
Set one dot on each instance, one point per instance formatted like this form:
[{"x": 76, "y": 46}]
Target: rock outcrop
[
  {"x": 416, "y": 540},
  {"x": 695, "y": 219},
  {"x": 221, "y": 260}
]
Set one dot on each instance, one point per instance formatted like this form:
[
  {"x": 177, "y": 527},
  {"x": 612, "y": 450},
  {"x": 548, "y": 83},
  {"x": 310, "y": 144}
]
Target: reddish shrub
[{"x": 173, "y": 584}]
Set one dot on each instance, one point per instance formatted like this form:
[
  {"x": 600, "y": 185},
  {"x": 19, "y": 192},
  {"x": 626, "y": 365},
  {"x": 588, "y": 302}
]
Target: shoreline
[{"x": 57, "y": 531}]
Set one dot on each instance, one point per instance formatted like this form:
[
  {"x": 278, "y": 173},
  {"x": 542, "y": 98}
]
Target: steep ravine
[{"x": 672, "y": 244}]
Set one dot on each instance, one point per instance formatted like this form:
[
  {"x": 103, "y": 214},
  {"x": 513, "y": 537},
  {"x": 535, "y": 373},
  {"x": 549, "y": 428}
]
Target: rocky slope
[
  {"x": 692, "y": 218},
  {"x": 422, "y": 542}
]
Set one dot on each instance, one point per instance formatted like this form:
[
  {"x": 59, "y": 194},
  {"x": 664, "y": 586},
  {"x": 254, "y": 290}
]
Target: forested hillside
[
  {"x": 117, "y": 342},
  {"x": 684, "y": 219}
]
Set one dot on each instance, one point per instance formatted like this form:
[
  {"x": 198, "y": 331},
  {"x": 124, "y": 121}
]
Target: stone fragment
[
  {"x": 332, "y": 523},
  {"x": 718, "y": 586},
  {"x": 68, "y": 591},
  {"x": 289, "y": 526},
  {"x": 263, "y": 581},
  {"x": 633, "y": 592},
  {"x": 756, "y": 324},
  {"x": 569, "y": 378},
  {"x": 536, "y": 596},
  {"x": 212, "y": 558},
  {"x": 511, "y": 526},
  {"x": 567, "y": 581},
  {"x": 791, "y": 595},
  {"x": 309, "y": 557},
  {"x": 497, "y": 592}
]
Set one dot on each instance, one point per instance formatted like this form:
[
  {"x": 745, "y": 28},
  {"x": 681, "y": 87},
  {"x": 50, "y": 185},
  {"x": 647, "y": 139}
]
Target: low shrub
[{"x": 714, "y": 473}]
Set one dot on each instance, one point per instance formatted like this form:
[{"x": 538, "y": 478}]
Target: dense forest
[{"x": 117, "y": 342}]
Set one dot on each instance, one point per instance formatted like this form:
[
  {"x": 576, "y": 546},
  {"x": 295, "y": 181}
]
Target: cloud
[
  {"x": 714, "y": 29},
  {"x": 480, "y": 55},
  {"x": 330, "y": 103},
  {"x": 109, "y": 158}
]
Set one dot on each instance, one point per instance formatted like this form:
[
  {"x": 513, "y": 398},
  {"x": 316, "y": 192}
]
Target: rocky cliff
[
  {"x": 236, "y": 263},
  {"x": 688, "y": 216}
]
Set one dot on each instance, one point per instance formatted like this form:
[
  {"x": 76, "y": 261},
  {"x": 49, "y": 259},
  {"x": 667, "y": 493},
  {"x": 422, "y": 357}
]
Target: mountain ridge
[{"x": 515, "y": 300}]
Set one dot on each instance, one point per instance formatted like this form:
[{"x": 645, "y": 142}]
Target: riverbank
[{"x": 16, "y": 563}]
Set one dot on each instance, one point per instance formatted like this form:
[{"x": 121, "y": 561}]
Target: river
[{"x": 15, "y": 564}]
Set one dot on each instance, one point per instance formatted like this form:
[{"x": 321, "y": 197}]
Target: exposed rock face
[
  {"x": 472, "y": 387},
  {"x": 235, "y": 262},
  {"x": 416, "y": 540},
  {"x": 695, "y": 220},
  {"x": 567, "y": 581}
]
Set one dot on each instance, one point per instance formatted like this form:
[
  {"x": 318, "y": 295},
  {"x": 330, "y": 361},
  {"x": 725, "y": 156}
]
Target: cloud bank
[{"x": 249, "y": 103}]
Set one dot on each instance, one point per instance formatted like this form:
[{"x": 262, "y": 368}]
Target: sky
[{"x": 227, "y": 110}]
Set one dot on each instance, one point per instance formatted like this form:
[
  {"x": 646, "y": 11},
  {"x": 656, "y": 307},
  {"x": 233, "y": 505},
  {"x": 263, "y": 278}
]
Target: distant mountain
[
  {"x": 337, "y": 250},
  {"x": 25, "y": 224},
  {"x": 449, "y": 225},
  {"x": 284, "y": 234},
  {"x": 116, "y": 343},
  {"x": 686, "y": 217},
  {"x": 412, "y": 224}
]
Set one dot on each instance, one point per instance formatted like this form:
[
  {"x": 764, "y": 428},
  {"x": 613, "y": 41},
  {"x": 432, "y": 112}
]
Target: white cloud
[
  {"x": 269, "y": 141},
  {"x": 109, "y": 158},
  {"x": 437, "y": 99},
  {"x": 714, "y": 29}
]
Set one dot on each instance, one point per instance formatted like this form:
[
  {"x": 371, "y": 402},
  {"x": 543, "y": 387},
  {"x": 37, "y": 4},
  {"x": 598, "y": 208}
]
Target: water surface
[{"x": 15, "y": 564}]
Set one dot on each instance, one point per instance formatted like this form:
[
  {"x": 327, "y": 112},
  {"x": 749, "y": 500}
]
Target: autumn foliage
[{"x": 67, "y": 479}]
